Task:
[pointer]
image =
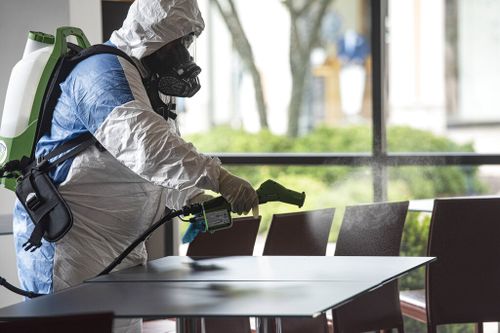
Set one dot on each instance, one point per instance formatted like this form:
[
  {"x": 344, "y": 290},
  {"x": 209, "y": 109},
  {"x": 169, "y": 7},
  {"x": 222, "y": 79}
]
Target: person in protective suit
[{"x": 116, "y": 193}]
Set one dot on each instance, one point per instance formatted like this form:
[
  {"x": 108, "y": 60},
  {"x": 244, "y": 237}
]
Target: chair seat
[{"x": 413, "y": 304}]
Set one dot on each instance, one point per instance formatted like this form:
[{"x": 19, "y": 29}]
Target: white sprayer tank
[{"x": 23, "y": 84}]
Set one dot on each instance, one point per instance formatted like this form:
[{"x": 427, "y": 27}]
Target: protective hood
[{"x": 151, "y": 24}]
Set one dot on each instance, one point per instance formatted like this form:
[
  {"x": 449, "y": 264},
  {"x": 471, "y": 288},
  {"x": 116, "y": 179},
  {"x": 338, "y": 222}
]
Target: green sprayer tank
[{"x": 27, "y": 85}]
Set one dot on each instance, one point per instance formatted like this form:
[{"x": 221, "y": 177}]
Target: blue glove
[
  {"x": 192, "y": 231},
  {"x": 194, "y": 228}
]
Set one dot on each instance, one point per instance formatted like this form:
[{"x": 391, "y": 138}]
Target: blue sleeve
[{"x": 99, "y": 85}]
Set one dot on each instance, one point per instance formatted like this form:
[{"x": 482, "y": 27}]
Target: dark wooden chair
[
  {"x": 84, "y": 323},
  {"x": 239, "y": 240},
  {"x": 371, "y": 230},
  {"x": 300, "y": 234},
  {"x": 462, "y": 285}
]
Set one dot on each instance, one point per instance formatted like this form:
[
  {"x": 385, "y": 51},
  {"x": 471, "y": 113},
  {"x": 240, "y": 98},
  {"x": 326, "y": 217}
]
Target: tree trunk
[
  {"x": 228, "y": 12},
  {"x": 303, "y": 39},
  {"x": 296, "y": 99},
  {"x": 451, "y": 57}
]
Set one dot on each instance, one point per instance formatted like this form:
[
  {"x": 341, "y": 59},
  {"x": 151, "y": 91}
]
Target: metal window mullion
[
  {"x": 379, "y": 91},
  {"x": 358, "y": 159}
]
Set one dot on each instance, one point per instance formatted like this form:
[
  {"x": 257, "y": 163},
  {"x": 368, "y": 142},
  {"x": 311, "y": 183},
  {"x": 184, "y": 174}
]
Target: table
[
  {"x": 268, "y": 268},
  {"x": 259, "y": 287}
]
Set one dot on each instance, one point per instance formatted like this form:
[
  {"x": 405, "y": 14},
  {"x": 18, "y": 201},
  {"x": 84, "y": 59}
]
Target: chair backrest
[
  {"x": 95, "y": 323},
  {"x": 371, "y": 230},
  {"x": 300, "y": 233},
  {"x": 239, "y": 240},
  {"x": 462, "y": 284}
]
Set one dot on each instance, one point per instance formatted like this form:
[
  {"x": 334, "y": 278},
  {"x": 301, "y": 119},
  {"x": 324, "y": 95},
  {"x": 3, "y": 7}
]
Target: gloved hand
[
  {"x": 199, "y": 198},
  {"x": 239, "y": 193}
]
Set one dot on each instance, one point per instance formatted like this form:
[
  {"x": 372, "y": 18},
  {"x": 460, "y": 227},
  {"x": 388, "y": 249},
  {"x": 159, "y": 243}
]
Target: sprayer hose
[{"x": 16, "y": 290}]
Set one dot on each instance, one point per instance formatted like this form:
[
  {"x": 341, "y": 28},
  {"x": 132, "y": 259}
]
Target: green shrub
[{"x": 407, "y": 182}]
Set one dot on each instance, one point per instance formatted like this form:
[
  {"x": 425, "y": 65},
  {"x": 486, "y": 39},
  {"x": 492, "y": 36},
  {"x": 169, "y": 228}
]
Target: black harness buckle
[{"x": 33, "y": 201}]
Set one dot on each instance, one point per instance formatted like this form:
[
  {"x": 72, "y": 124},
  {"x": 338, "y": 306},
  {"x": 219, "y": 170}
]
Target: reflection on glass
[{"x": 305, "y": 70}]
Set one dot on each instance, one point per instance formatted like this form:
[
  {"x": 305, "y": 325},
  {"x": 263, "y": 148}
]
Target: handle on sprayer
[
  {"x": 268, "y": 191},
  {"x": 62, "y": 33}
]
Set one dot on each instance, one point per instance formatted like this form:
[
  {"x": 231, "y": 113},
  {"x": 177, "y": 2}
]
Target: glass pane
[
  {"x": 283, "y": 80},
  {"x": 325, "y": 187},
  {"x": 443, "y": 74},
  {"x": 426, "y": 182}
]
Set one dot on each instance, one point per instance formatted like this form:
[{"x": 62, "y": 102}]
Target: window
[
  {"x": 444, "y": 71},
  {"x": 286, "y": 70}
]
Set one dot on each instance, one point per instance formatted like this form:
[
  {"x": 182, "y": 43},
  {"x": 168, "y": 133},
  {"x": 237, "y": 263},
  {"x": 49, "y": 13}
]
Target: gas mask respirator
[
  {"x": 173, "y": 70},
  {"x": 173, "y": 73}
]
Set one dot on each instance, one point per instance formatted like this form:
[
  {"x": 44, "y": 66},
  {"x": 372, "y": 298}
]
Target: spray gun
[{"x": 215, "y": 214}]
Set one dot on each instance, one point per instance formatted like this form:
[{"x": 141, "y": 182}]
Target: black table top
[
  {"x": 269, "y": 268},
  {"x": 187, "y": 299},
  {"x": 6, "y": 224},
  {"x": 231, "y": 286}
]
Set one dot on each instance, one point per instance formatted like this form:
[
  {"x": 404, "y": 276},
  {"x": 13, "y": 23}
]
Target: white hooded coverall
[{"x": 117, "y": 194}]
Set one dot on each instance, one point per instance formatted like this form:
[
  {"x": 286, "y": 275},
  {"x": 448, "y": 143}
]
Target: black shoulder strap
[
  {"x": 63, "y": 68},
  {"x": 103, "y": 48},
  {"x": 73, "y": 147},
  {"x": 69, "y": 149}
]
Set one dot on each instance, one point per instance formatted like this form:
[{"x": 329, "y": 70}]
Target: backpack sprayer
[{"x": 212, "y": 215}]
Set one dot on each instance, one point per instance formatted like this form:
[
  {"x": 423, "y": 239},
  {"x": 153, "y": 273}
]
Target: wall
[
  {"x": 87, "y": 16},
  {"x": 16, "y": 19}
]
